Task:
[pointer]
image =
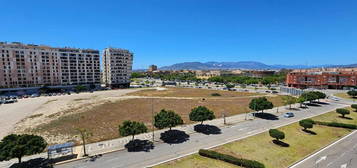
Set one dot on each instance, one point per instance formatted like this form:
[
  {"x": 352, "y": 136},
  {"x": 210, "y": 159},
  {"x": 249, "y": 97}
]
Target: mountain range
[{"x": 241, "y": 65}]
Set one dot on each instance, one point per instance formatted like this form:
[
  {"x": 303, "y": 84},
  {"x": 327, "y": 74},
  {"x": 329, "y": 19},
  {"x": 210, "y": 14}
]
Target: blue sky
[{"x": 165, "y": 32}]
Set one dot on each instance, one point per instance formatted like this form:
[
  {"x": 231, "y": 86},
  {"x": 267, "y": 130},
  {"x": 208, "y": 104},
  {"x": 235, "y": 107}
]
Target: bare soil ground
[{"x": 102, "y": 120}]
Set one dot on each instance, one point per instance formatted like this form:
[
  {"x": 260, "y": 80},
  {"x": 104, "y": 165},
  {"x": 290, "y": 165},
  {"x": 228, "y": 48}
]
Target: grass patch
[
  {"x": 345, "y": 96},
  {"x": 196, "y": 161},
  {"x": 35, "y": 115},
  {"x": 261, "y": 148},
  {"x": 191, "y": 92},
  {"x": 103, "y": 120},
  {"x": 335, "y": 117}
]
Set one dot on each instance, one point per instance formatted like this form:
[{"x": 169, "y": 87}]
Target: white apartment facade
[
  {"x": 24, "y": 65},
  {"x": 117, "y": 67}
]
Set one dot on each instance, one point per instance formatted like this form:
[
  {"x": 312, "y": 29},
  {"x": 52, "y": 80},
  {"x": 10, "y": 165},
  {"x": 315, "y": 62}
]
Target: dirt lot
[
  {"x": 103, "y": 120},
  {"x": 190, "y": 92}
]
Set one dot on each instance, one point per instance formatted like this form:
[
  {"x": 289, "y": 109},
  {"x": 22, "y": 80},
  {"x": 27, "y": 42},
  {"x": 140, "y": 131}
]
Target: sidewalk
[{"x": 118, "y": 144}]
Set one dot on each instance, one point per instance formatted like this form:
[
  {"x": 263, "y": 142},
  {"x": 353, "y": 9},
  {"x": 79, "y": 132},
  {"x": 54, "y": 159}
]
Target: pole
[{"x": 152, "y": 120}]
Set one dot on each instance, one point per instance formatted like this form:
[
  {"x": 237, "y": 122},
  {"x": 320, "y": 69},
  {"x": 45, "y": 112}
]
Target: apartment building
[
  {"x": 27, "y": 65},
  {"x": 117, "y": 67},
  {"x": 324, "y": 78}
]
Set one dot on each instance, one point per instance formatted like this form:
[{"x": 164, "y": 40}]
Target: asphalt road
[
  {"x": 164, "y": 152},
  {"x": 342, "y": 154}
]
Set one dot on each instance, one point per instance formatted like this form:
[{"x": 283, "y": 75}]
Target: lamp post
[{"x": 152, "y": 119}]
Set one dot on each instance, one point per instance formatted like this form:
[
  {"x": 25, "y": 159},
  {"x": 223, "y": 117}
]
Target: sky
[{"x": 164, "y": 32}]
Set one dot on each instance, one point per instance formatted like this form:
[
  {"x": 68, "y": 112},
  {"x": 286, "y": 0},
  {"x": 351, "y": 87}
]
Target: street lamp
[{"x": 152, "y": 120}]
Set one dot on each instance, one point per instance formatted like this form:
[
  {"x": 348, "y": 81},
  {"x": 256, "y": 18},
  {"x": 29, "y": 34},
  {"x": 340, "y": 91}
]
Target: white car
[{"x": 289, "y": 114}]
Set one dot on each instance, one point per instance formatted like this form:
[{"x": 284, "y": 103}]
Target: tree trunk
[
  {"x": 290, "y": 106},
  {"x": 201, "y": 122},
  {"x": 84, "y": 147},
  {"x": 19, "y": 158},
  {"x": 170, "y": 128},
  {"x": 133, "y": 137}
]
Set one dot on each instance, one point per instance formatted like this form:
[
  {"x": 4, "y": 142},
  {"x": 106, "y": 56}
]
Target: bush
[
  {"x": 215, "y": 94},
  {"x": 278, "y": 135},
  {"x": 335, "y": 124},
  {"x": 352, "y": 93},
  {"x": 230, "y": 159},
  {"x": 307, "y": 123},
  {"x": 354, "y": 106},
  {"x": 343, "y": 111}
]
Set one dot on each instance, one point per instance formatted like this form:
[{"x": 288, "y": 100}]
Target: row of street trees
[
  {"x": 165, "y": 119},
  {"x": 306, "y": 96}
]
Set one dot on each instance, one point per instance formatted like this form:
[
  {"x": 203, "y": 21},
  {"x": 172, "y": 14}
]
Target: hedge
[
  {"x": 335, "y": 124},
  {"x": 231, "y": 159}
]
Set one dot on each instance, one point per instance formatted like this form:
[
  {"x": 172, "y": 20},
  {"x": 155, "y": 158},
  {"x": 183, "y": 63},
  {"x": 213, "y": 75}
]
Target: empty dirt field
[
  {"x": 103, "y": 120},
  {"x": 191, "y": 92}
]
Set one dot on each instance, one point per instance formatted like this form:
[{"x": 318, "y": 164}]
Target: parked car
[
  {"x": 289, "y": 115},
  {"x": 35, "y": 95},
  {"x": 335, "y": 98}
]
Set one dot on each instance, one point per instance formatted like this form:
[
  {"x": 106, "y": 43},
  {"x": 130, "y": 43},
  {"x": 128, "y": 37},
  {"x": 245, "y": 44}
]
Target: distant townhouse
[
  {"x": 321, "y": 78},
  {"x": 117, "y": 67}
]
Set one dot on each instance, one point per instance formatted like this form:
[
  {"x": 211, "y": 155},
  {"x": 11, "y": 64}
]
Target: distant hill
[{"x": 240, "y": 65}]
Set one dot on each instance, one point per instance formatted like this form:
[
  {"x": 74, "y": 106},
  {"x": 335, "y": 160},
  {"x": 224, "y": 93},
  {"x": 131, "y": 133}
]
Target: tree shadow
[
  {"x": 280, "y": 143},
  {"x": 323, "y": 103},
  {"x": 295, "y": 109},
  {"x": 207, "y": 129},
  {"x": 266, "y": 116},
  {"x": 309, "y": 132},
  {"x": 138, "y": 145},
  {"x": 174, "y": 136},
  {"x": 313, "y": 104},
  {"x": 38, "y": 163},
  {"x": 304, "y": 107},
  {"x": 348, "y": 118}
]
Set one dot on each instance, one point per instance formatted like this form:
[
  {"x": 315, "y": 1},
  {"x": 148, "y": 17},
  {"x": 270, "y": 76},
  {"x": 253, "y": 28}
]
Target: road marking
[
  {"x": 321, "y": 159},
  {"x": 301, "y": 161},
  {"x": 344, "y": 166}
]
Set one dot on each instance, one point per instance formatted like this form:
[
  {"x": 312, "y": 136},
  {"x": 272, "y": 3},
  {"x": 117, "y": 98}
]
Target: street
[
  {"x": 164, "y": 152},
  {"x": 341, "y": 154}
]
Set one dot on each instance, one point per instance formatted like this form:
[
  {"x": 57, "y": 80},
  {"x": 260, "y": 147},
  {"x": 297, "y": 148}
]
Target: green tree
[
  {"x": 278, "y": 135},
  {"x": 84, "y": 136},
  {"x": 306, "y": 123},
  {"x": 289, "y": 100},
  {"x": 343, "y": 111},
  {"x": 352, "y": 93},
  {"x": 132, "y": 128},
  {"x": 260, "y": 103},
  {"x": 301, "y": 100},
  {"x": 167, "y": 118},
  {"x": 201, "y": 113},
  {"x": 230, "y": 86},
  {"x": 17, "y": 146},
  {"x": 310, "y": 96},
  {"x": 319, "y": 95},
  {"x": 80, "y": 88},
  {"x": 354, "y": 106}
]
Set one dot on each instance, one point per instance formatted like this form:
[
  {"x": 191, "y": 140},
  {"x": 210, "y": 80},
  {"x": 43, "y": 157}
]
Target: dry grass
[
  {"x": 191, "y": 92},
  {"x": 261, "y": 148},
  {"x": 103, "y": 120},
  {"x": 196, "y": 161},
  {"x": 345, "y": 96}
]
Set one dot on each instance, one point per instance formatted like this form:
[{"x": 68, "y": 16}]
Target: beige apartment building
[
  {"x": 117, "y": 67},
  {"x": 27, "y": 65}
]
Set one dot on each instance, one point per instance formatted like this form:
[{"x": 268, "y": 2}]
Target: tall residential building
[
  {"x": 117, "y": 67},
  {"x": 37, "y": 65},
  {"x": 152, "y": 68}
]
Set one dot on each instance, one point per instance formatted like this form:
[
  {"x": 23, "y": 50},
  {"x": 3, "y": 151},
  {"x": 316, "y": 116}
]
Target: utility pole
[{"x": 152, "y": 120}]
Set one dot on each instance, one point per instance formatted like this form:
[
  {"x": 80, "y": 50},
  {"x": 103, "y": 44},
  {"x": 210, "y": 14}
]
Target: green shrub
[
  {"x": 215, "y": 94},
  {"x": 230, "y": 159},
  {"x": 354, "y": 106},
  {"x": 278, "y": 135},
  {"x": 343, "y": 111},
  {"x": 307, "y": 123},
  {"x": 335, "y": 124}
]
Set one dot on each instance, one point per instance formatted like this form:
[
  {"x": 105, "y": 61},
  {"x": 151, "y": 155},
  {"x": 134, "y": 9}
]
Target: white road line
[
  {"x": 298, "y": 163},
  {"x": 344, "y": 166},
  {"x": 321, "y": 159}
]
